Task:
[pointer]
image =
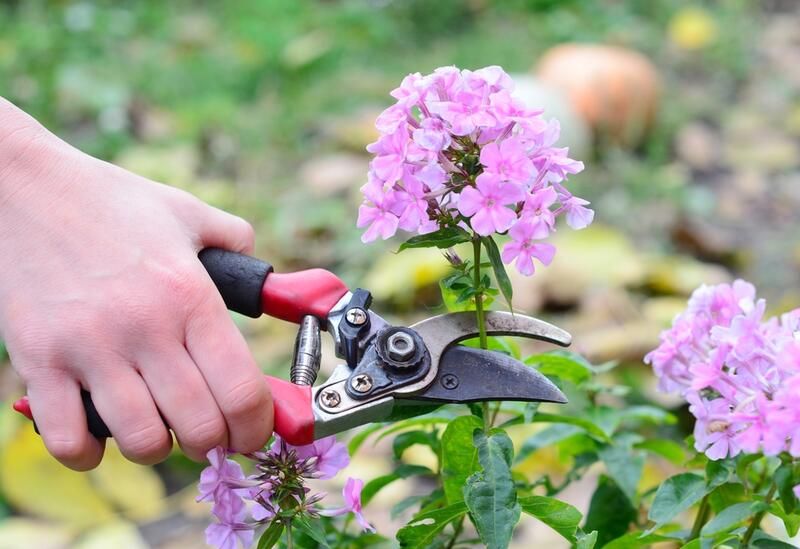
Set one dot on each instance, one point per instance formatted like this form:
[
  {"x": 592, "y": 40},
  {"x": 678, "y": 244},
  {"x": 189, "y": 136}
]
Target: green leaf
[
  {"x": 668, "y": 449},
  {"x": 719, "y": 472},
  {"x": 361, "y": 437},
  {"x": 459, "y": 456},
  {"x": 377, "y": 484},
  {"x": 731, "y": 517},
  {"x": 424, "y": 528},
  {"x": 791, "y": 521},
  {"x": 784, "y": 479},
  {"x": 312, "y": 528},
  {"x": 694, "y": 544},
  {"x": 675, "y": 495},
  {"x": 648, "y": 414},
  {"x": 610, "y": 511},
  {"x": 558, "y": 515},
  {"x": 560, "y": 366},
  {"x": 586, "y": 541},
  {"x": 271, "y": 535},
  {"x": 634, "y": 540},
  {"x": 413, "y": 422},
  {"x": 443, "y": 238},
  {"x": 625, "y": 467},
  {"x": 490, "y": 494},
  {"x": 726, "y": 495},
  {"x": 587, "y": 425},
  {"x": 762, "y": 540},
  {"x": 406, "y": 503},
  {"x": 499, "y": 269},
  {"x": 405, "y": 440},
  {"x": 546, "y": 437}
]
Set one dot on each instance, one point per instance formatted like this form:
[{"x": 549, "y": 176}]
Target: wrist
[{"x": 26, "y": 147}]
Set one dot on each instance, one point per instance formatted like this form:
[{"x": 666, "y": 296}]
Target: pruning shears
[{"x": 387, "y": 371}]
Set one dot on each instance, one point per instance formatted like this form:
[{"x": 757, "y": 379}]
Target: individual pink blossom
[
  {"x": 578, "y": 216},
  {"x": 486, "y": 204},
  {"x": 714, "y": 431},
  {"x": 378, "y": 216},
  {"x": 214, "y": 477},
  {"x": 432, "y": 135},
  {"x": 536, "y": 210},
  {"x": 508, "y": 160},
  {"x": 524, "y": 247},
  {"x": 352, "y": 504},
  {"x": 390, "y": 151},
  {"x": 228, "y": 536},
  {"x": 331, "y": 456}
]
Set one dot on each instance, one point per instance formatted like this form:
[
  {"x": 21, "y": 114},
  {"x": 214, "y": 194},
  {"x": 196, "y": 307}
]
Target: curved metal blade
[
  {"x": 440, "y": 332},
  {"x": 475, "y": 375}
]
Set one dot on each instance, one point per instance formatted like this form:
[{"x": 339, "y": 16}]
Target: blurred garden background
[{"x": 686, "y": 113}]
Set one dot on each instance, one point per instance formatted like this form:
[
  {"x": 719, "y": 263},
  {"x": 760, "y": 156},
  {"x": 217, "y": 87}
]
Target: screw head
[
  {"x": 449, "y": 381},
  {"x": 361, "y": 383},
  {"x": 356, "y": 316},
  {"x": 400, "y": 346},
  {"x": 330, "y": 398}
]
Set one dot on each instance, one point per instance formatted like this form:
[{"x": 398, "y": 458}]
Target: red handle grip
[
  {"x": 294, "y": 417},
  {"x": 291, "y": 296}
]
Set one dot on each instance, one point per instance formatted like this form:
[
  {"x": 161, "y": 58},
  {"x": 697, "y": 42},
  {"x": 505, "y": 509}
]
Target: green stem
[
  {"x": 289, "y": 540},
  {"x": 456, "y": 533},
  {"x": 757, "y": 519},
  {"x": 701, "y": 518},
  {"x": 476, "y": 249}
]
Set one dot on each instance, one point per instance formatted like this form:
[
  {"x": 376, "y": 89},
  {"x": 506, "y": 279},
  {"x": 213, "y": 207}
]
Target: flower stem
[
  {"x": 701, "y": 518},
  {"x": 757, "y": 519},
  {"x": 476, "y": 248}
]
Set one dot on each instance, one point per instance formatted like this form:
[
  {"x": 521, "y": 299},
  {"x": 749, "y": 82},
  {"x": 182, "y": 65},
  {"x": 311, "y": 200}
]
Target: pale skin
[{"x": 101, "y": 288}]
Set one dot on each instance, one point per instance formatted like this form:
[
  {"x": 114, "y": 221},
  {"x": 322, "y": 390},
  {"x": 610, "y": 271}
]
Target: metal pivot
[{"x": 307, "y": 352}]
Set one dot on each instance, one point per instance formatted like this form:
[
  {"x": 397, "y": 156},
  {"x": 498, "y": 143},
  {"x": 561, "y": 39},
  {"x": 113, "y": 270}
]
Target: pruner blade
[{"x": 475, "y": 375}]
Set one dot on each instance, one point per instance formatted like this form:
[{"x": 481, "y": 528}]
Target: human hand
[{"x": 101, "y": 288}]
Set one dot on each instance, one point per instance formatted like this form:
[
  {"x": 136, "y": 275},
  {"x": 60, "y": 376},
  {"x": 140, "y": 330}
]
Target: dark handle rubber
[{"x": 239, "y": 279}]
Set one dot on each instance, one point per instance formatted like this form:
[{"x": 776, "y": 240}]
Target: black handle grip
[{"x": 239, "y": 279}]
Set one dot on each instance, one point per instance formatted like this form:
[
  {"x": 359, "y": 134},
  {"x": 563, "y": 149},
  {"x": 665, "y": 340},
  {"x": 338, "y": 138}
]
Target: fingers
[
  {"x": 219, "y": 229},
  {"x": 185, "y": 401},
  {"x": 58, "y": 410},
  {"x": 238, "y": 386},
  {"x": 125, "y": 404}
]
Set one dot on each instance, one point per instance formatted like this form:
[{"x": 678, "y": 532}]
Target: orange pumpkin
[{"x": 616, "y": 90}]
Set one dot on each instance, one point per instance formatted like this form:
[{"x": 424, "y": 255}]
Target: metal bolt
[
  {"x": 356, "y": 316},
  {"x": 361, "y": 383},
  {"x": 400, "y": 346},
  {"x": 449, "y": 381},
  {"x": 330, "y": 398}
]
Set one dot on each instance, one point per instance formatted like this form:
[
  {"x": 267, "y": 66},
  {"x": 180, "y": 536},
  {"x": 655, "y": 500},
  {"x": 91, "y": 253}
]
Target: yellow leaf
[
  {"x": 24, "y": 532},
  {"x": 115, "y": 534},
  {"x": 134, "y": 489},
  {"x": 398, "y": 275},
  {"x": 38, "y": 485},
  {"x": 692, "y": 28}
]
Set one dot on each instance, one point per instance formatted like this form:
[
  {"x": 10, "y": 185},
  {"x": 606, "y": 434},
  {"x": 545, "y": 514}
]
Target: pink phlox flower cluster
[
  {"x": 739, "y": 372},
  {"x": 458, "y": 149},
  {"x": 242, "y": 502}
]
